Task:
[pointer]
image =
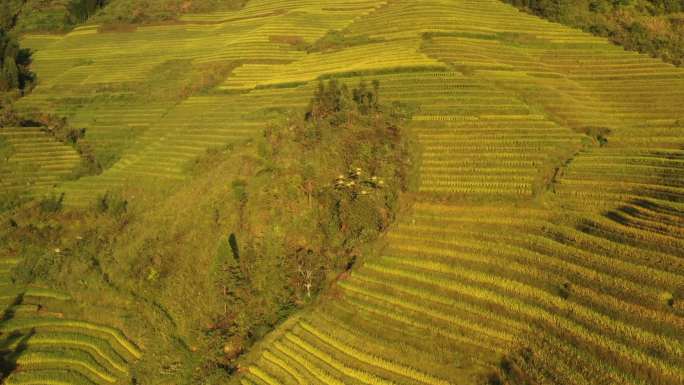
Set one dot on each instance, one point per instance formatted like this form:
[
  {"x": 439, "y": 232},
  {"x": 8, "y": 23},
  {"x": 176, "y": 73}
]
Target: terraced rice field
[
  {"x": 557, "y": 160},
  {"x": 45, "y": 346},
  {"x": 101, "y": 81},
  {"x": 490, "y": 281},
  {"x": 35, "y": 160},
  {"x": 580, "y": 282}
]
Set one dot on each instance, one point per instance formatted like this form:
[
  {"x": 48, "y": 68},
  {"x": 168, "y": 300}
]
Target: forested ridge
[
  {"x": 651, "y": 26},
  {"x": 47, "y": 16},
  {"x": 63, "y": 15}
]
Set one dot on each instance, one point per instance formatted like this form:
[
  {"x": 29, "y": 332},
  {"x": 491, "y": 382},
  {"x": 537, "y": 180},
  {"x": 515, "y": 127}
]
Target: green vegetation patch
[{"x": 325, "y": 185}]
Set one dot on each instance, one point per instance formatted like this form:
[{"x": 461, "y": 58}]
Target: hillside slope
[
  {"x": 545, "y": 245},
  {"x": 580, "y": 282}
]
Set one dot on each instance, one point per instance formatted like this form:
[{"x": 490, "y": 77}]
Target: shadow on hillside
[
  {"x": 14, "y": 343},
  {"x": 9, "y": 311},
  {"x": 661, "y": 227}
]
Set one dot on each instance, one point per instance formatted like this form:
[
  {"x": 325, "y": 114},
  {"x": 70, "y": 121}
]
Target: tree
[
  {"x": 14, "y": 64},
  {"x": 81, "y": 10},
  {"x": 337, "y": 105},
  {"x": 6, "y": 15},
  {"x": 311, "y": 268},
  {"x": 10, "y": 75}
]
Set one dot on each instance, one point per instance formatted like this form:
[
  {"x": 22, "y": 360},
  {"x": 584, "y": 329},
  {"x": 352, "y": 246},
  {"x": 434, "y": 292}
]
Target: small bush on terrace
[
  {"x": 51, "y": 204},
  {"x": 113, "y": 203},
  {"x": 336, "y": 40}
]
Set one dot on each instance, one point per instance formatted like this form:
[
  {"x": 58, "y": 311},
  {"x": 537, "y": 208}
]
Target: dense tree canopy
[{"x": 14, "y": 62}]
